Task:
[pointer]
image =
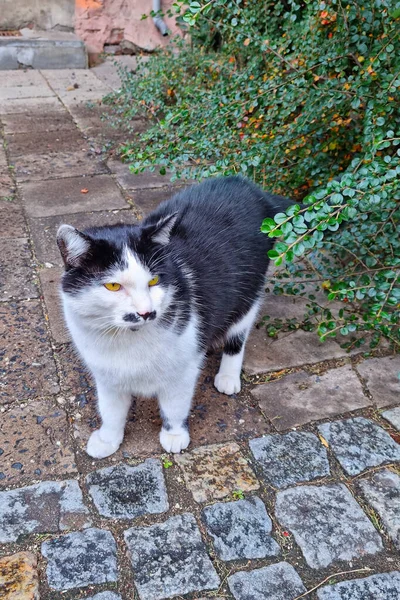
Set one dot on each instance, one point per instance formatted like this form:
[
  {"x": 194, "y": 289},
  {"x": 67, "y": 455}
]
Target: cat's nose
[{"x": 148, "y": 315}]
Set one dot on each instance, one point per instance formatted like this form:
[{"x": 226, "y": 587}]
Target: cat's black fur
[{"x": 216, "y": 256}]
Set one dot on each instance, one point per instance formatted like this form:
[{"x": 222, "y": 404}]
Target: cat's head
[{"x": 119, "y": 276}]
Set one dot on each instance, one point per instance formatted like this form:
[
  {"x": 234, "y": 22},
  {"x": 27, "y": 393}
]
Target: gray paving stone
[
  {"x": 50, "y": 506},
  {"x": 276, "y": 582},
  {"x": 170, "y": 559},
  {"x": 327, "y": 523},
  {"x": 16, "y": 268},
  {"x": 382, "y": 491},
  {"x": 125, "y": 492},
  {"x": 393, "y": 416},
  {"x": 359, "y": 443},
  {"x": 80, "y": 559},
  {"x": 50, "y": 280},
  {"x": 291, "y": 458},
  {"x": 105, "y": 596},
  {"x": 300, "y": 398},
  {"x": 240, "y": 529},
  {"x": 299, "y": 348},
  {"x": 64, "y": 196},
  {"x": 382, "y": 377},
  {"x": 384, "y": 586}
]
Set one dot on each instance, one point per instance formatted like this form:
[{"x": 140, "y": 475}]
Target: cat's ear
[
  {"x": 160, "y": 232},
  {"x": 73, "y": 245}
]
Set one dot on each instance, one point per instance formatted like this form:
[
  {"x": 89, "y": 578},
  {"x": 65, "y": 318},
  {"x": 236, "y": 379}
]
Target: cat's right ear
[{"x": 73, "y": 245}]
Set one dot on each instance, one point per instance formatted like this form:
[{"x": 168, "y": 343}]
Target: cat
[{"x": 144, "y": 302}]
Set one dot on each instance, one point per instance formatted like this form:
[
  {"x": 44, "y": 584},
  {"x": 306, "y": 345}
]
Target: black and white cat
[{"x": 143, "y": 303}]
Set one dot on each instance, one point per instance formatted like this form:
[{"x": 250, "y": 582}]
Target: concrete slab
[
  {"x": 140, "y": 181},
  {"x": 40, "y": 167},
  {"x": 21, "y": 78},
  {"x": 26, "y": 91},
  {"x": 301, "y": 398},
  {"x": 31, "y": 371},
  {"x": 35, "y": 443},
  {"x": 67, "y": 82},
  {"x": 292, "y": 349},
  {"x": 30, "y": 105},
  {"x": 16, "y": 268},
  {"x": 382, "y": 378},
  {"x": 148, "y": 199},
  {"x": 43, "y": 230},
  {"x": 64, "y": 196},
  {"x": 50, "y": 284},
  {"x": 46, "y": 142},
  {"x": 38, "y": 121},
  {"x": 45, "y": 50},
  {"x": 12, "y": 220}
]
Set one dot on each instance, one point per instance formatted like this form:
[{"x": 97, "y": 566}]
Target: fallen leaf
[
  {"x": 323, "y": 441},
  {"x": 246, "y": 41},
  {"x": 84, "y": 191}
]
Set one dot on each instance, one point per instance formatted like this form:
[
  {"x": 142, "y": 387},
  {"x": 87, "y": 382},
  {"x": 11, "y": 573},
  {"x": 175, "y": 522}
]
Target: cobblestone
[
  {"x": 291, "y": 458},
  {"x": 240, "y": 529},
  {"x": 19, "y": 577},
  {"x": 385, "y": 586},
  {"x": 382, "y": 490},
  {"x": 358, "y": 443},
  {"x": 327, "y": 523},
  {"x": 213, "y": 472},
  {"x": 50, "y": 506},
  {"x": 125, "y": 492},
  {"x": 105, "y": 596},
  {"x": 393, "y": 416},
  {"x": 276, "y": 582},
  {"x": 80, "y": 559},
  {"x": 170, "y": 559}
]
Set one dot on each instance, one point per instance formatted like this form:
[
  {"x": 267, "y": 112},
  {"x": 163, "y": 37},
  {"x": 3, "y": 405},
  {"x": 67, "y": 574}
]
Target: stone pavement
[{"x": 290, "y": 484}]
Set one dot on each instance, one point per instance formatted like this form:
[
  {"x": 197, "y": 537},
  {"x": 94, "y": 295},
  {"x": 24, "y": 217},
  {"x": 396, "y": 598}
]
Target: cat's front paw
[
  {"x": 174, "y": 442},
  {"x": 97, "y": 448},
  {"x": 227, "y": 384}
]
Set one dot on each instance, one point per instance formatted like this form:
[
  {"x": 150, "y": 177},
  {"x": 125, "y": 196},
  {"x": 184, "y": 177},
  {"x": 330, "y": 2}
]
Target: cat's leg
[
  {"x": 113, "y": 407},
  {"x": 227, "y": 380},
  {"x": 175, "y": 400}
]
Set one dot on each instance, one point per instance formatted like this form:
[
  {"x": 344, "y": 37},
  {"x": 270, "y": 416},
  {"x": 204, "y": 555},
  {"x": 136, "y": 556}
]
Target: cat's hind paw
[
  {"x": 227, "y": 384},
  {"x": 174, "y": 442},
  {"x": 97, "y": 448}
]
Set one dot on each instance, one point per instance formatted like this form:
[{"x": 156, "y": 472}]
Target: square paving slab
[
  {"x": 382, "y": 378},
  {"x": 359, "y": 443},
  {"x": 240, "y": 530},
  {"x": 42, "y": 167},
  {"x": 292, "y": 349},
  {"x": 12, "y": 220},
  {"x": 28, "y": 368},
  {"x": 51, "y": 506},
  {"x": 125, "y": 492},
  {"x": 80, "y": 559},
  {"x": 64, "y": 196},
  {"x": 170, "y": 559},
  {"x": 384, "y": 586},
  {"x": 50, "y": 280},
  {"x": 30, "y": 105},
  {"x": 327, "y": 523},
  {"x": 291, "y": 458},
  {"x": 44, "y": 120},
  {"x": 300, "y": 398},
  {"x": 214, "y": 472},
  {"x": 382, "y": 490},
  {"x": 34, "y": 443},
  {"x": 276, "y": 582},
  {"x": 46, "y": 142},
  {"x": 44, "y": 229},
  {"x": 16, "y": 268}
]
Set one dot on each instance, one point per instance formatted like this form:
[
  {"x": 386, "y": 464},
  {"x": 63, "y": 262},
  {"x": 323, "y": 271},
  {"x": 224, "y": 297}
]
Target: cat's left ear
[
  {"x": 73, "y": 245},
  {"x": 160, "y": 232}
]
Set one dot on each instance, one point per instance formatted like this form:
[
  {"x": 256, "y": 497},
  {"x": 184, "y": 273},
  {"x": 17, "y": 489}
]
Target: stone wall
[
  {"x": 99, "y": 22},
  {"x": 43, "y": 14}
]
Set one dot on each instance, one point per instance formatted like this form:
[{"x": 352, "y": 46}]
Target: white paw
[
  {"x": 227, "y": 384},
  {"x": 97, "y": 448},
  {"x": 174, "y": 442}
]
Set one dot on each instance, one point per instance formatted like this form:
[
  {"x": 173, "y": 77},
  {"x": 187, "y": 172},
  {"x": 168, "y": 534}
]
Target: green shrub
[{"x": 303, "y": 97}]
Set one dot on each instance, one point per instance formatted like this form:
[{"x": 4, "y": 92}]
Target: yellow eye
[
  {"x": 154, "y": 281},
  {"x": 113, "y": 287}
]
